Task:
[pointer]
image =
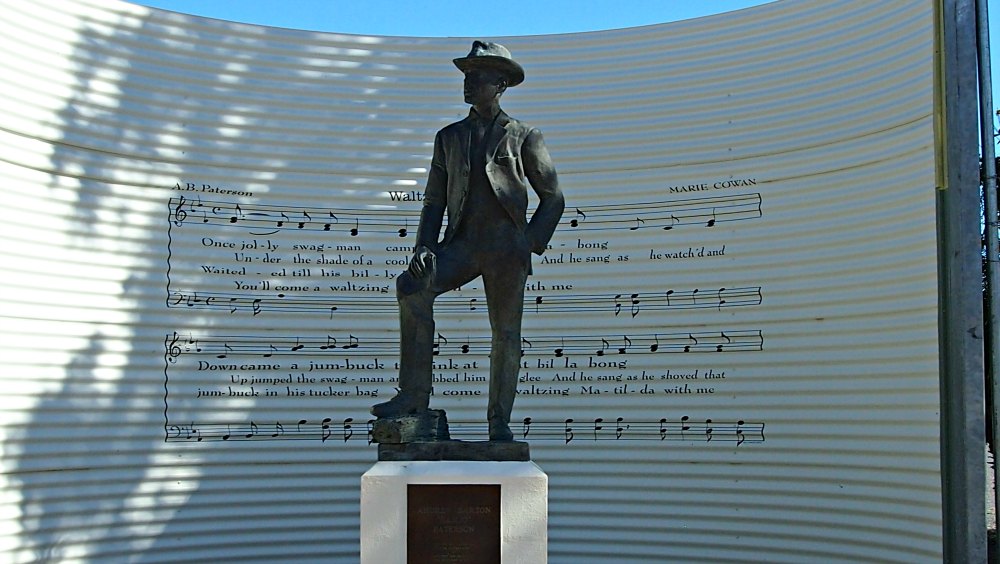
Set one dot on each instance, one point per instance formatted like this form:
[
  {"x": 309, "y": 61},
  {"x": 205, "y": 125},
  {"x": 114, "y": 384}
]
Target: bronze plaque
[{"x": 452, "y": 524}]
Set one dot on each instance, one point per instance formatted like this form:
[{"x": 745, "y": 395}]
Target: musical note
[
  {"x": 298, "y": 428},
  {"x": 618, "y": 305},
  {"x": 253, "y": 430},
  {"x": 273, "y": 349},
  {"x": 579, "y": 214},
  {"x": 348, "y": 431},
  {"x": 325, "y": 429},
  {"x": 525, "y": 427},
  {"x": 635, "y": 304},
  {"x": 227, "y": 349},
  {"x": 684, "y": 425},
  {"x": 465, "y": 347},
  {"x": 229, "y": 433},
  {"x": 282, "y": 221},
  {"x": 663, "y": 429},
  {"x": 637, "y": 222},
  {"x": 326, "y": 226},
  {"x": 597, "y": 426},
  {"x": 298, "y": 345},
  {"x": 331, "y": 343},
  {"x": 708, "y": 430},
  {"x": 238, "y": 215},
  {"x": 406, "y": 226},
  {"x": 437, "y": 344},
  {"x": 472, "y": 304},
  {"x": 673, "y": 221},
  {"x": 371, "y": 431},
  {"x": 694, "y": 343},
  {"x": 279, "y": 429},
  {"x": 605, "y": 345},
  {"x": 353, "y": 342},
  {"x": 568, "y": 431},
  {"x": 718, "y": 348},
  {"x": 538, "y": 302},
  {"x": 356, "y": 229},
  {"x": 256, "y": 306},
  {"x": 627, "y": 345},
  {"x": 559, "y": 351},
  {"x": 525, "y": 345},
  {"x": 619, "y": 430},
  {"x": 656, "y": 343},
  {"x": 739, "y": 432},
  {"x": 711, "y": 222},
  {"x": 667, "y": 296}
]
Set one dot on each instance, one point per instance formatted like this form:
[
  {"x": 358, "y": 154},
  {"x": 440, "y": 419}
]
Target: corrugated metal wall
[{"x": 750, "y": 196}]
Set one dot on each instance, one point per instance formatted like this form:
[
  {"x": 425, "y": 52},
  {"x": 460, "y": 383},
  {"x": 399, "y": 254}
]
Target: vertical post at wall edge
[
  {"x": 960, "y": 291},
  {"x": 989, "y": 181}
]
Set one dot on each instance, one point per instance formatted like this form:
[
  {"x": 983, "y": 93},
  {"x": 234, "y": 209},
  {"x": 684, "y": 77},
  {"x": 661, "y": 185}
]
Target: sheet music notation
[
  {"x": 632, "y": 304},
  {"x": 264, "y": 219},
  {"x": 664, "y": 215},
  {"x": 568, "y": 431},
  {"x": 223, "y": 346}
]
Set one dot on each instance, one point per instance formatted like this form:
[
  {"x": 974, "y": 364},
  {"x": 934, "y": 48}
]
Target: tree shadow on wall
[{"x": 96, "y": 480}]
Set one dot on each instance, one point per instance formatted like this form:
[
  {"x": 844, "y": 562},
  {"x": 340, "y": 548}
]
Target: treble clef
[
  {"x": 179, "y": 214},
  {"x": 173, "y": 349}
]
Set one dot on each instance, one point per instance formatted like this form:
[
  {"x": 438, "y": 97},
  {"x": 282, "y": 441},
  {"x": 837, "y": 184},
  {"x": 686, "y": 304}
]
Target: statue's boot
[
  {"x": 500, "y": 431},
  {"x": 503, "y": 382},
  {"x": 405, "y": 403}
]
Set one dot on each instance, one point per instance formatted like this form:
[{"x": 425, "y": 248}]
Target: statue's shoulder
[
  {"x": 455, "y": 126},
  {"x": 514, "y": 124}
]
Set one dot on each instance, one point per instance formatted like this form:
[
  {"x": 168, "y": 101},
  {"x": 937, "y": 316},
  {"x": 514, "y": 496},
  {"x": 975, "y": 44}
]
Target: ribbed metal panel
[{"x": 768, "y": 174}]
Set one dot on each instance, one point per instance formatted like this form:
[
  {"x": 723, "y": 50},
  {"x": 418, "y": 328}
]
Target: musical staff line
[
  {"x": 567, "y": 431},
  {"x": 665, "y": 214},
  {"x": 618, "y": 304},
  {"x": 265, "y": 219},
  {"x": 223, "y": 346}
]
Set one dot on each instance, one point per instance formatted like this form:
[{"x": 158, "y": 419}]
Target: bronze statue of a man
[{"x": 477, "y": 175}]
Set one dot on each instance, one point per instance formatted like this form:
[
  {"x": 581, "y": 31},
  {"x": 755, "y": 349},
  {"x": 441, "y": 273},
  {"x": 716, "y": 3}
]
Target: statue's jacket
[{"x": 513, "y": 151}]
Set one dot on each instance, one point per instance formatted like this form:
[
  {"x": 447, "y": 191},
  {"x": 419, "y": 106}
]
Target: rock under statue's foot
[{"x": 403, "y": 404}]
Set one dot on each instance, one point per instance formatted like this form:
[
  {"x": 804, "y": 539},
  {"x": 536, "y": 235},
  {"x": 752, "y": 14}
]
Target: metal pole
[
  {"x": 963, "y": 425},
  {"x": 990, "y": 197}
]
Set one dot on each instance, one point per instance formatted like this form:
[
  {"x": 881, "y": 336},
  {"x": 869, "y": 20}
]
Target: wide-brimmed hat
[{"x": 494, "y": 56}]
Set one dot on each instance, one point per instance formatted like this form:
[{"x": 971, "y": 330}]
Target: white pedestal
[{"x": 524, "y": 492}]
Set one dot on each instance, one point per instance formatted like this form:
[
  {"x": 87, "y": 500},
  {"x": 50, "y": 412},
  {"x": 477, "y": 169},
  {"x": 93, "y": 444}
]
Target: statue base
[
  {"x": 427, "y": 426},
  {"x": 485, "y": 451},
  {"x": 460, "y": 512}
]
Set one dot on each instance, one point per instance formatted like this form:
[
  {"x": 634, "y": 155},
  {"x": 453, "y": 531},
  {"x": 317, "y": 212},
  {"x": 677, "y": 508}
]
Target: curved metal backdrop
[{"x": 768, "y": 174}]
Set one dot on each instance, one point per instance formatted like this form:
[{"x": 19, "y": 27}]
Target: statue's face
[{"x": 481, "y": 86}]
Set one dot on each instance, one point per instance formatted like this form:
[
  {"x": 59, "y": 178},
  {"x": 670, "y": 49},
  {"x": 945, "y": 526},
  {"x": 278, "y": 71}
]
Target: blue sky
[{"x": 452, "y": 18}]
